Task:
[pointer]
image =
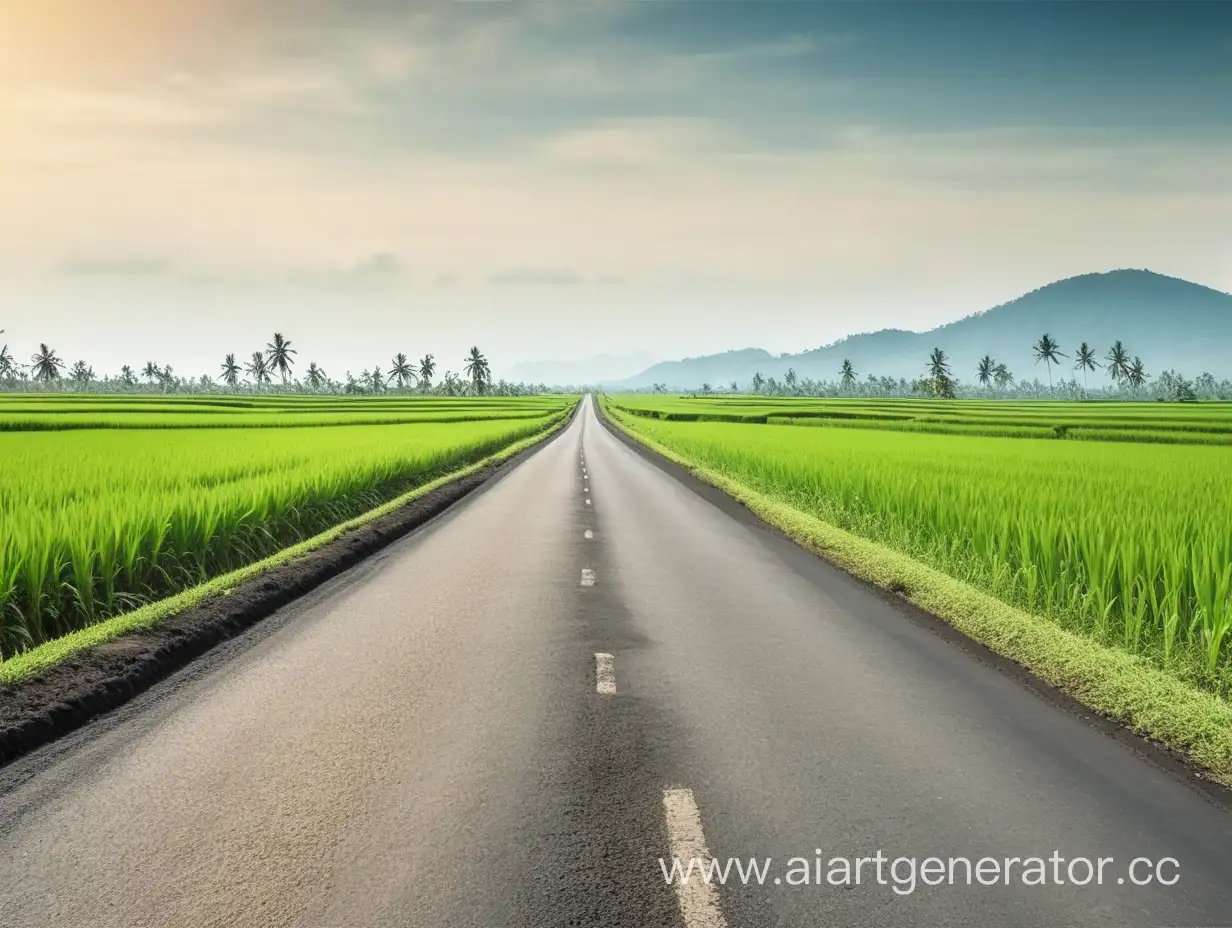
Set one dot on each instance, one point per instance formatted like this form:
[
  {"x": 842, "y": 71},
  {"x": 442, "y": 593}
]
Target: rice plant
[{"x": 96, "y": 522}]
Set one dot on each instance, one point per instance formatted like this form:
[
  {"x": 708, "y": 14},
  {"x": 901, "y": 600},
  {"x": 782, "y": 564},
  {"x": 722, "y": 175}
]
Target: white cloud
[
  {"x": 537, "y": 277},
  {"x": 646, "y": 143},
  {"x": 377, "y": 270},
  {"x": 117, "y": 266}
]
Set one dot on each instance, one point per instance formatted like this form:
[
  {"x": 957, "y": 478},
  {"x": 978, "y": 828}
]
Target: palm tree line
[
  {"x": 270, "y": 368},
  {"x": 276, "y": 362},
  {"x": 995, "y": 378}
]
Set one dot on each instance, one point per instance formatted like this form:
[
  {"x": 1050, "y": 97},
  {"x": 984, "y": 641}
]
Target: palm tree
[
  {"x": 278, "y": 357},
  {"x": 230, "y": 370},
  {"x": 790, "y": 378},
  {"x": 848, "y": 374},
  {"x": 1118, "y": 362},
  {"x": 939, "y": 373},
  {"x": 938, "y": 364},
  {"x": 151, "y": 371},
  {"x": 758, "y": 382},
  {"x": 451, "y": 385},
  {"x": 1085, "y": 359},
  {"x": 7, "y": 368},
  {"x": 45, "y": 364},
  {"x": 1047, "y": 350},
  {"x": 403, "y": 371},
  {"x": 1135, "y": 374},
  {"x": 1002, "y": 377},
  {"x": 427, "y": 367},
  {"x": 258, "y": 369},
  {"x": 316, "y": 377},
  {"x": 82, "y": 373},
  {"x": 986, "y": 370},
  {"x": 476, "y": 368},
  {"x": 735, "y": 387},
  {"x": 128, "y": 376},
  {"x": 376, "y": 380}
]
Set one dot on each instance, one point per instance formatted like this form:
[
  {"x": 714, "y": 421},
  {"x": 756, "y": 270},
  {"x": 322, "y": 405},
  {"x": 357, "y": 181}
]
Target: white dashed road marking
[
  {"x": 699, "y": 900},
  {"x": 588, "y": 502},
  {"x": 588, "y": 577},
  {"x": 605, "y": 674},
  {"x": 589, "y": 534}
]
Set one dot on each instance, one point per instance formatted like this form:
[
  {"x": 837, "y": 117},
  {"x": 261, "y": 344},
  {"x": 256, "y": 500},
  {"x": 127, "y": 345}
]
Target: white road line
[
  {"x": 605, "y": 674},
  {"x": 699, "y": 900},
  {"x": 588, "y": 502},
  {"x": 589, "y": 534},
  {"x": 588, "y": 577}
]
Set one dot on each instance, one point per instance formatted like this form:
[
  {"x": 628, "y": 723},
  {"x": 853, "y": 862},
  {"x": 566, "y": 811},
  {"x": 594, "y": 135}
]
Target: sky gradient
[{"x": 179, "y": 179}]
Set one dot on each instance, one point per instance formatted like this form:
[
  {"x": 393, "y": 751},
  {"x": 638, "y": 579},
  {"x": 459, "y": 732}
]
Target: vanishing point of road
[{"x": 509, "y": 716}]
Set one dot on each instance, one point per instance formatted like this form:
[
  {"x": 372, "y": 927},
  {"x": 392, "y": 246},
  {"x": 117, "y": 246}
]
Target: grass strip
[
  {"x": 1149, "y": 435},
  {"x": 47, "y": 655},
  {"x": 910, "y": 425},
  {"x": 1149, "y": 701}
]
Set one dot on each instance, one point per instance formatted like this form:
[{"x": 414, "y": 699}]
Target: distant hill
[
  {"x": 1170, "y": 323},
  {"x": 586, "y": 370},
  {"x": 713, "y": 368}
]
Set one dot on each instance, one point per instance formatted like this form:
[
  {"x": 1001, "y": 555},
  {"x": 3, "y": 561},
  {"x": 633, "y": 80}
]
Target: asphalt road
[{"x": 430, "y": 740}]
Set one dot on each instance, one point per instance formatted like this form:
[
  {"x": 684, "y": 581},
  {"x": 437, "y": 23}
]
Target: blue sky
[{"x": 180, "y": 178}]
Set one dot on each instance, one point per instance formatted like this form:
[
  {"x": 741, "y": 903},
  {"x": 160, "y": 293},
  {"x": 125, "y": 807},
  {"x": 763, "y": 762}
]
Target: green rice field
[
  {"x": 60, "y": 413},
  {"x": 1173, "y": 423},
  {"x": 1125, "y": 536},
  {"x": 98, "y": 520}
]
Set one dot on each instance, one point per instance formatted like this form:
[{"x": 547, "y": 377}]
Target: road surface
[{"x": 509, "y": 716}]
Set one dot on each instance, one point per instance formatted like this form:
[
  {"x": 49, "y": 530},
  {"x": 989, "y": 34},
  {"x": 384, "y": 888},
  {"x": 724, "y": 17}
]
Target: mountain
[
  {"x": 597, "y": 369},
  {"x": 715, "y": 369},
  {"x": 1170, "y": 323}
]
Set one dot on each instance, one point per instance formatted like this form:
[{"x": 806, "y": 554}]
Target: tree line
[
  {"x": 269, "y": 369},
  {"x": 995, "y": 378}
]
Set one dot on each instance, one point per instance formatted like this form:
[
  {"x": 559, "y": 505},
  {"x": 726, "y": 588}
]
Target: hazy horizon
[{"x": 555, "y": 182}]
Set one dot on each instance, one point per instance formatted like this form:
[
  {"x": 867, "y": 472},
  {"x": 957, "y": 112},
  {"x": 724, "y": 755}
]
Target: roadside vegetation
[{"x": 95, "y": 522}]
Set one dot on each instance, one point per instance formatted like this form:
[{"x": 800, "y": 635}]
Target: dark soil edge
[
  {"x": 1153, "y": 752},
  {"x": 85, "y": 686}
]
